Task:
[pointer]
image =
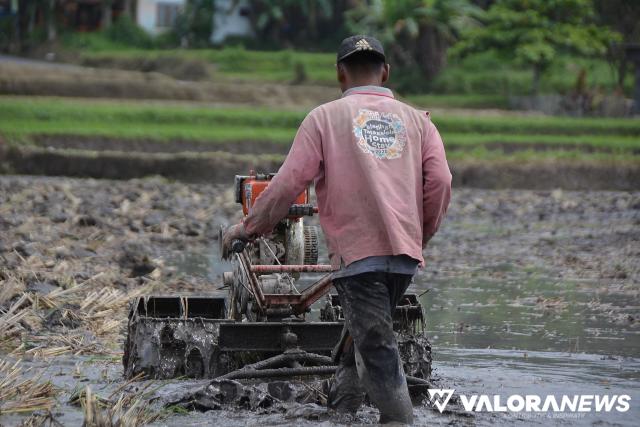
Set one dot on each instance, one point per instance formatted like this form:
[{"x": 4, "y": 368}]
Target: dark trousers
[{"x": 369, "y": 360}]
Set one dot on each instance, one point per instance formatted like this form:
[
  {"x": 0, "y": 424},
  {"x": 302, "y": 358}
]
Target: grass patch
[
  {"x": 161, "y": 132},
  {"x": 483, "y": 154},
  {"x": 486, "y": 73},
  {"x": 236, "y": 63},
  {"x": 23, "y": 117},
  {"x": 458, "y": 101},
  {"x": 481, "y": 80},
  {"x": 536, "y": 125},
  {"x": 613, "y": 142},
  {"x": 44, "y": 110}
]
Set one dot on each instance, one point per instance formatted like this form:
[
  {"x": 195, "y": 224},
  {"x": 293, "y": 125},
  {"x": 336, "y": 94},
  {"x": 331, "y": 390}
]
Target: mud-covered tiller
[{"x": 262, "y": 328}]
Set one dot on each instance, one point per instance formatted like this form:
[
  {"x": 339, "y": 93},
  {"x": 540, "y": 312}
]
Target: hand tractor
[{"x": 265, "y": 326}]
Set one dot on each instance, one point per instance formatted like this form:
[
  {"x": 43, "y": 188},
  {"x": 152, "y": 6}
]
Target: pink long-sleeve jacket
[{"x": 380, "y": 172}]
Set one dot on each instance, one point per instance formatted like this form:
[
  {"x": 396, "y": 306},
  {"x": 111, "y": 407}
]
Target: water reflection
[
  {"x": 516, "y": 332},
  {"x": 523, "y": 310},
  {"x": 531, "y": 313}
]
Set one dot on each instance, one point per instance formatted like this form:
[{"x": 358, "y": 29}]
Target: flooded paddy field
[{"x": 525, "y": 292}]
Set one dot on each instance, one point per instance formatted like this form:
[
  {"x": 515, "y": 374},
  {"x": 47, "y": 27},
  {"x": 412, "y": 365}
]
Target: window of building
[{"x": 166, "y": 14}]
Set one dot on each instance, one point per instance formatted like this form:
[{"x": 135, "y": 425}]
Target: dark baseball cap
[{"x": 360, "y": 43}]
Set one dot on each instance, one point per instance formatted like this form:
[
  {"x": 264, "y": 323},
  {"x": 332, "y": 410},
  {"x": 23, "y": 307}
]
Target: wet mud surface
[
  {"x": 97, "y": 143},
  {"x": 205, "y": 162},
  {"x": 546, "y": 283},
  {"x": 550, "y": 270}
]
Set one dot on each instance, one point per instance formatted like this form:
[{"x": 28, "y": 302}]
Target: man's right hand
[{"x": 230, "y": 235}]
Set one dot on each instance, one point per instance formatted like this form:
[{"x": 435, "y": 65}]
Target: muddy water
[
  {"x": 531, "y": 314},
  {"x": 528, "y": 292},
  {"x": 523, "y": 310},
  {"x": 468, "y": 371},
  {"x": 502, "y": 330},
  {"x": 492, "y": 372}
]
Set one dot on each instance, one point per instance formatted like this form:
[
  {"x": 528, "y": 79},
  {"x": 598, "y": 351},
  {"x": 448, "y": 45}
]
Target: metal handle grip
[
  {"x": 302, "y": 210},
  {"x": 238, "y": 246}
]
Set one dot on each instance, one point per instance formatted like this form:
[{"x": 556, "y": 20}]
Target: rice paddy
[{"x": 23, "y": 119}]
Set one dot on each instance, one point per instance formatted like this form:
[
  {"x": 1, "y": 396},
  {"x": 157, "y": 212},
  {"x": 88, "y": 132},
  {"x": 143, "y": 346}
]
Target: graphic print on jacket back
[{"x": 383, "y": 135}]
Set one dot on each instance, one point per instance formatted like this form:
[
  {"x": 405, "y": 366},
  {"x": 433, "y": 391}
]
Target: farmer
[{"x": 383, "y": 186}]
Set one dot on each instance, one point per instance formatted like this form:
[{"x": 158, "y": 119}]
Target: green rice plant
[
  {"x": 580, "y": 142},
  {"x": 21, "y": 118}
]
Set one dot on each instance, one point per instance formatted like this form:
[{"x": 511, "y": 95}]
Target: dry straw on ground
[
  {"x": 98, "y": 313},
  {"x": 20, "y": 392},
  {"x": 10, "y": 319},
  {"x": 127, "y": 411}
]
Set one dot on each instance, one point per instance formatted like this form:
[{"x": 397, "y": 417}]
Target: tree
[
  {"x": 195, "y": 23},
  {"x": 417, "y": 33},
  {"x": 52, "y": 32},
  {"x": 127, "y": 8},
  {"x": 533, "y": 32},
  {"x": 624, "y": 17},
  {"x": 106, "y": 14},
  {"x": 292, "y": 21}
]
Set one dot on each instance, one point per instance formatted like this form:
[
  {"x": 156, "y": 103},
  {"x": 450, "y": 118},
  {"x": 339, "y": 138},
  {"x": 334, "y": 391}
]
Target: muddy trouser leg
[{"x": 368, "y": 301}]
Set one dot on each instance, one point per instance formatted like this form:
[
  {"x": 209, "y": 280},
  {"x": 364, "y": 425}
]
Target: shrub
[{"x": 125, "y": 31}]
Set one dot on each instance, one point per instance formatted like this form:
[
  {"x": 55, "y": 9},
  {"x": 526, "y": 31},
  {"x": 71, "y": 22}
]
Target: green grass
[
  {"x": 536, "y": 125},
  {"x": 488, "y": 74},
  {"x": 42, "y": 110},
  {"x": 611, "y": 142},
  {"x": 239, "y": 64},
  {"x": 232, "y": 62},
  {"x": 482, "y": 153},
  {"x": 54, "y": 109},
  {"x": 161, "y": 132},
  {"x": 274, "y": 66},
  {"x": 458, "y": 101},
  {"x": 481, "y": 80},
  {"x": 478, "y": 81},
  {"x": 21, "y": 118}
]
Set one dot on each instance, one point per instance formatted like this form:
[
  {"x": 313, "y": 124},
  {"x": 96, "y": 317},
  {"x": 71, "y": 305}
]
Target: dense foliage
[
  {"x": 417, "y": 33},
  {"x": 422, "y": 38},
  {"x": 534, "y": 32}
]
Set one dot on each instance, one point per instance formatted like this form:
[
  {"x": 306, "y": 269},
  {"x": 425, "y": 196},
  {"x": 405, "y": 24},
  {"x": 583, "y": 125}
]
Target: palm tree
[
  {"x": 417, "y": 33},
  {"x": 272, "y": 17}
]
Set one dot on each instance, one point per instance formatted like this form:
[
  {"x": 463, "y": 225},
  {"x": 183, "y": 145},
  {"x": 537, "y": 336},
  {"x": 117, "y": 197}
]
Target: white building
[
  {"x": 157, "y": 16},
  {"x": 231, "y": 18}
]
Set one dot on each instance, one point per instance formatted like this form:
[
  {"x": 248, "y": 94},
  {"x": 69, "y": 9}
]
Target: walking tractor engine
[
  {"x": 260, "y": 328},
  {"x": 263, "y": 284}
]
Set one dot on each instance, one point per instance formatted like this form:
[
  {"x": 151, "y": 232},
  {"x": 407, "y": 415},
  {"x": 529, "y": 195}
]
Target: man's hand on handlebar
[{"x": 234, "y": 239}]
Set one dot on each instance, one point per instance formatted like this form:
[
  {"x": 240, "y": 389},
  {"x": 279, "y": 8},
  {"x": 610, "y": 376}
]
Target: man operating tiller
[{"x": 383, "y": 186}]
